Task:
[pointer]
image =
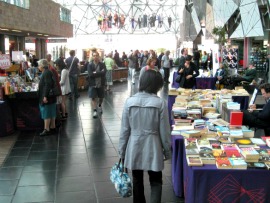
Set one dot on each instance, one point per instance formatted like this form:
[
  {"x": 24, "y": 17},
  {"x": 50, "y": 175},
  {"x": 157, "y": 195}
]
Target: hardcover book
[{"x": 236, "y": 118}]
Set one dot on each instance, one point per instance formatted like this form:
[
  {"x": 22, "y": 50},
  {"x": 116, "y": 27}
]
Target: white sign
[
  {"x": 17, "y": 56},
  {"x": 4, "y": 61}
]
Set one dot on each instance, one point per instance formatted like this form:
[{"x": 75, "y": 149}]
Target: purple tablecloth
[
  {"x": 177, "y": 165},
  {"x": 206, "y": 83},
  {"x": 6, "y": 120},
  {"x": 209, "y": 184}
]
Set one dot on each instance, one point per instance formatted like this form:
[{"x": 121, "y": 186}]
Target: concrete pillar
[
  {"x": 247, "y": 51},
  {"x": 2, "y": 43}
]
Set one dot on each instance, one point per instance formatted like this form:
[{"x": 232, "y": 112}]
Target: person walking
[
  {"x": 65, "y": 88},
  {"x": 165, "y": 64},
  {"x": 47, "y": 104},
  {"x": 109, "y": 63},
  {"x": 133, "y": 64},
  {"x": 97, "y": 81},
  {"x": 72, "y": 63},
  {"x": 144, "y": 141}
]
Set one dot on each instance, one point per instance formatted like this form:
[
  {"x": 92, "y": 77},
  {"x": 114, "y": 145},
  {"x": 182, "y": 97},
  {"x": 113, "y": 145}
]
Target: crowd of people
[{"x": 144, "y": 144}]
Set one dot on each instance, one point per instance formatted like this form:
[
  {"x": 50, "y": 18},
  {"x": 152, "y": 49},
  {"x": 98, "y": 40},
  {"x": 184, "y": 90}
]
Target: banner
[{"x": 4, "y": 61}]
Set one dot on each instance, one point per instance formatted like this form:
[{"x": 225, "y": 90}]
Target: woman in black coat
[
  {"x": 47, "y": 104},
  {"x": 188, "y": 74}
]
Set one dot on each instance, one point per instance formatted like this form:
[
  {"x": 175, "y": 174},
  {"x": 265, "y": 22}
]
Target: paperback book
[
  {"x": 223, "y": 163},
  {"x": 194, "y": 161}
]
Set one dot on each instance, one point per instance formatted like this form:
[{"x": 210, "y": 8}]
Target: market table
[
  {"x": 6, "y": 119},
  {"x": 209, "y": 184},
  {"x": 25, "y": 111},
  {"x": 177, "y": 165}
]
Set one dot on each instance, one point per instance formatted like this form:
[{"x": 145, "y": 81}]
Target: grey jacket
[{"x": 145, "y": 133}]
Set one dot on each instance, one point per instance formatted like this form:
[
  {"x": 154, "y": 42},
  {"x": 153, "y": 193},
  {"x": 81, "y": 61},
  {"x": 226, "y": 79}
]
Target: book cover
[
  {"x": 258, "y": 141},
  {"x": 249, "y": 153},
  {"x": 256, "y": 165},
  {"x": 194, "y": 161},
  {"x": 238, "y": 163},
  {"x": 190, "y": 143},
  {"x": 236, "y": 118},
  {"x": 264, "y": 155},
  {"x": 203, "y": 143},
  {"x": 234, "y": 153},
  {"x": 223, "y": 163},
  {"x": 192, "y": 151},
  {"x": 219, "y": 153},
  {"x": 207, "y": 158},
  {"x": 244, "y": 142}
]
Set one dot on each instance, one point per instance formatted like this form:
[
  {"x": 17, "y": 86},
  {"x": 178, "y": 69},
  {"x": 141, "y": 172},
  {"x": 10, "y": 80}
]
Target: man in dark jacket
[
  {"x": 256, "y": 118},
  {"x": 97, "y": 81}
]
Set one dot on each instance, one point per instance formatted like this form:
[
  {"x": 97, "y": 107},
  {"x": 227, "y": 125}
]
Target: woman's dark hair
[{"x": 151, "y": 81}]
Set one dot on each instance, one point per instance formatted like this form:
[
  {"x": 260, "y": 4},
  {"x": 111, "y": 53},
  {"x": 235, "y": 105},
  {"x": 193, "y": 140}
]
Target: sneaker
[
  {"x": 44, "y": 133},
  {"x": 100, "y": 109},
  {"x": 95, "y": 114}
]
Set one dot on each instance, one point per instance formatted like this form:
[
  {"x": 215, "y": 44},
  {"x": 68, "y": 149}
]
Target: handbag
[
  {"x": 121, "y": 179},
  {"x": 55, "y": 90},
  {"x": 178, "y": 78}
]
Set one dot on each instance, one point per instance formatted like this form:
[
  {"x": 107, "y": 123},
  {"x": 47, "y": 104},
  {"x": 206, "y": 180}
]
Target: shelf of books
[{"x": 259, "y": 56}]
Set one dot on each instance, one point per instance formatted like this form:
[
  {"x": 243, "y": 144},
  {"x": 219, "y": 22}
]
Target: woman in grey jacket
[{"x": 144, "y": 141}]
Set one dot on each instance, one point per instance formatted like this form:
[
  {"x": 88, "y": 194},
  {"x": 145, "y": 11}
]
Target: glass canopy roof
[{"x": 125, "y": 16}]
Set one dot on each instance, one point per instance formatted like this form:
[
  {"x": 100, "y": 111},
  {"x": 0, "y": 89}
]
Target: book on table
[
  {"x": 244, "y": 142},
  {"x": 190, "y": 143},
  {"x": 191, "y": 133},
  {"x": 249, "y": 153},
  {"x": 264, "y": 155},
  {"x": 236, "y": 118},
  {"x": 258, "y": 141},
  {"x": 223, "y": 163},
  {"x": 238, "y": 163},
  {"x": 247, "y": 132},
  {"x": 192, "y": 151},
  {"x": 194, "y": 161},
  {"x": 256, "y": 165},
  {"x": 207, "y": 157}
]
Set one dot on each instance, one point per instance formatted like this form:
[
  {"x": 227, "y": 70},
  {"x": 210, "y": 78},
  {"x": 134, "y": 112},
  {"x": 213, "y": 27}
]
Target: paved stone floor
[{"x": 72, "y": 166}]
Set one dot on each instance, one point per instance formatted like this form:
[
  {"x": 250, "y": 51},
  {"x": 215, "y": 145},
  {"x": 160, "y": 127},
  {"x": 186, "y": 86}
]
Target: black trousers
[
  {"x": 155, "y": 179},
  {"x": 166, "y": 74}
]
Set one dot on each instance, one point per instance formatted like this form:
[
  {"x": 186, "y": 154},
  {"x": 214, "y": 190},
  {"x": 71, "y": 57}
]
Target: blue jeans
[{"x": 73, "y": 80}]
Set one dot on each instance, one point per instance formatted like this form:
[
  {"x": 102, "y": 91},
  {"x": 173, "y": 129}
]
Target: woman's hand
[
  {"x": 188, "y": 77},
  {"x": 181, "y": 70},
  {"x": 45, "y": 100}
]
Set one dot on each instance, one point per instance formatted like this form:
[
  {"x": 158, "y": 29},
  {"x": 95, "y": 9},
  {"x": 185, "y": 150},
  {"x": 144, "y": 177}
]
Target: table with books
[
  {"x": 226, "y": 182},
  {"x": 238, "y": 96},
  {"x": 221, "y": 168}
]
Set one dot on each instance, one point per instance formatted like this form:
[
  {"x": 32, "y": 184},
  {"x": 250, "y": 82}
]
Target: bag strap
[
  {"x": 118, "y": 166},
  {"x": 71, "y": 63}
]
